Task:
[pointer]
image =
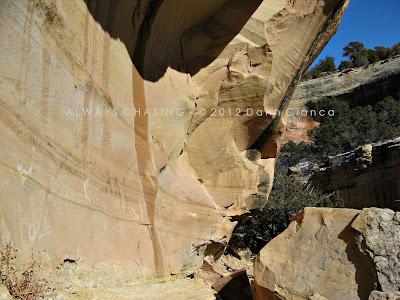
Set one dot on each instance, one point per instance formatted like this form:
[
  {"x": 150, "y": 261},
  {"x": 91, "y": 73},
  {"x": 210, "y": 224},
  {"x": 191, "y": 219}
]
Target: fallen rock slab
[{"x": 316, "y": 257}]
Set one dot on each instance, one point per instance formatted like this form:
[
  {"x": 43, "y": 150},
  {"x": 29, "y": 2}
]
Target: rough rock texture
[
  {"x": 376, "y": 295},
  {"x": 361, "y": 85},
  {"x": 181, "y": 289},
  {"x": 330, "y": 253},
  {"x": 299, "y": 125},
  {"x": 365, "y": 85},
  {"x": 380, "y": 239},
  {"x": 368, "y": 176},
  {"x": 316, "y": 257},
  {"x": 106, "y": 154}
]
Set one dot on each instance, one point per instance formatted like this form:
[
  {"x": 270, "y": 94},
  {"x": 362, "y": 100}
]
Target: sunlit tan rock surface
[
  {"x": 316, "y": 257},
  {"x": 107, "y": 155},
  {"x": 329, "y": 253}
]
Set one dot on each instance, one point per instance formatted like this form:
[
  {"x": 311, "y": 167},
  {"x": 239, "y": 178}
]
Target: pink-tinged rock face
[{"x": 126, "y": 125}]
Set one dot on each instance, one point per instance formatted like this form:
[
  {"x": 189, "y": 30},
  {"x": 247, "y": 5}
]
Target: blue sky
[{"x": 373, "y": 22}]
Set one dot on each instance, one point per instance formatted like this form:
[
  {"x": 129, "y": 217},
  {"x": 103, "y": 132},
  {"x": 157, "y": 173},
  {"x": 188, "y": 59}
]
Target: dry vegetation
[
  {"x": 23, "y": 280},
  {"x": 289, "y": 195}
]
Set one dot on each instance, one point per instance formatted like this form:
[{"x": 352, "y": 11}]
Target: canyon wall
[
  {"x": 127, "y": 137},
  {"x": 369, "y": 176},
  {"x": 361, "y": 86}
]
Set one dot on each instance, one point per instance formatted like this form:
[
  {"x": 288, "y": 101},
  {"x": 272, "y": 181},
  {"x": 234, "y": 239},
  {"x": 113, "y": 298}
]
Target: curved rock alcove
[{"x": 132, "y": 131}]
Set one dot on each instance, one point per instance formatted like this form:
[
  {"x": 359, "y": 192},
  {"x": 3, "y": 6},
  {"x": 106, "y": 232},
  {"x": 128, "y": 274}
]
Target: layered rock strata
[
  {"x": 361, "y": 86},
  {"x": 125, "y": 126},
  {"x": 368, "y": 176}
]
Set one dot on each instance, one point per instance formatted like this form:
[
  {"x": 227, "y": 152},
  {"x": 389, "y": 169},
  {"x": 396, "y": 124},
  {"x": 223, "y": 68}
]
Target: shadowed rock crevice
[{"x": 365, "y": 273}]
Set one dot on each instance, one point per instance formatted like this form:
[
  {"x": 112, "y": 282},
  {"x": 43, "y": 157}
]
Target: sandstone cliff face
[
  {"x": 361, "y": 86},
  {"x": 332, "y": 254},
  {"x": 368, "y": 176},
  {"x": 114, "y": 149}
]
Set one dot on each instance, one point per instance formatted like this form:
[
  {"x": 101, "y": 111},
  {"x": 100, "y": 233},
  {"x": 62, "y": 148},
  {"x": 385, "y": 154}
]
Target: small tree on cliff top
[{"x": 325, "y": 65}]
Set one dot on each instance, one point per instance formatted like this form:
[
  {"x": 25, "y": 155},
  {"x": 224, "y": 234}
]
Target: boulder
[
  {"x": 333, "y": 254},
  {"x": 379, "y": 238},
  {"x": 316, "y": 257}
]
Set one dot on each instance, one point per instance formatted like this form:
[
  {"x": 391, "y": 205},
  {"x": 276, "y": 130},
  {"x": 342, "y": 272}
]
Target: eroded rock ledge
[
  {"x": 86, "y": 176},
  {"x": 368, "y": 176},
  {"x": 360, "y": 86}
]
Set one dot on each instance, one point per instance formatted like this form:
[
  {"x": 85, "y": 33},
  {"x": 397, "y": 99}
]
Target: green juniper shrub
[
  {"x": 349, "y": 128},
  {"x": 353, "y": 127},
  {"x": 289, "y": 195},
  {"x": 360, "y": 56},
  {"x": 357, "y": 56},
  {"x": 325, "y": 66},
  {"x": 292, "y": 153},
  {"x": 345, "y": 65}
]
